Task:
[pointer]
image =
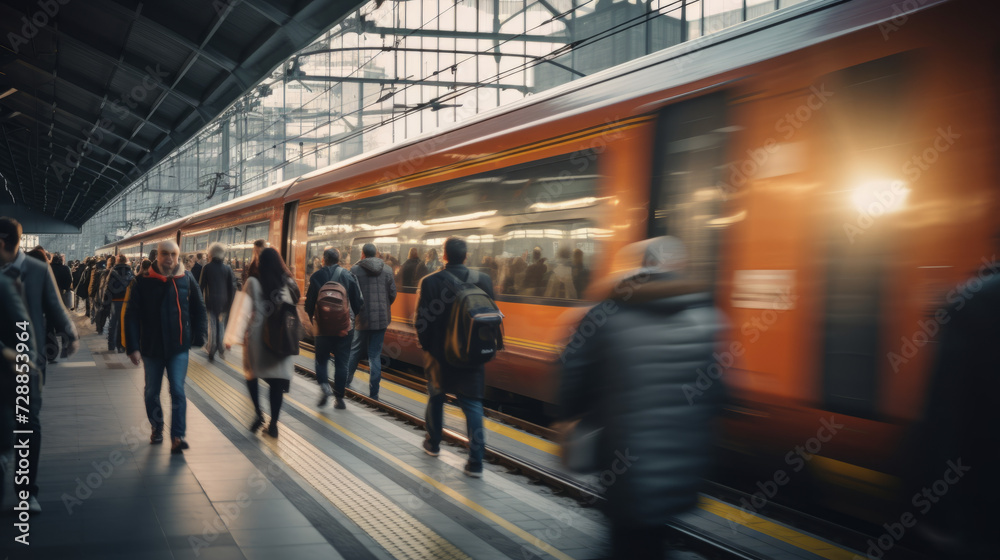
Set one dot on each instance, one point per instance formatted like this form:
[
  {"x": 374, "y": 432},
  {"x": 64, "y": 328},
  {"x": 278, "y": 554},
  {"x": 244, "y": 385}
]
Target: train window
[
  {"x": 685, "y": 199},
  {"x": 329, "y": 221},
  {"x": 547, "y": 259}
]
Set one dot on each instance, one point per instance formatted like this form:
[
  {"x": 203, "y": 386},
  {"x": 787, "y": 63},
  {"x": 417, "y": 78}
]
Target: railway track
[{"x": 681, "y": 534}]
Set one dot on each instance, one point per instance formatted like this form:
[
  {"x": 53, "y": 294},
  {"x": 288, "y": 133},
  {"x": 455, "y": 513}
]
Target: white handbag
[{"x": 239, "y": 318}]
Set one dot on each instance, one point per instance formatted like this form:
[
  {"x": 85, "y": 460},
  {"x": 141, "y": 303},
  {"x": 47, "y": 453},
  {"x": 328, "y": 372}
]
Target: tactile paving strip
[{"x": 399, "y": 533}]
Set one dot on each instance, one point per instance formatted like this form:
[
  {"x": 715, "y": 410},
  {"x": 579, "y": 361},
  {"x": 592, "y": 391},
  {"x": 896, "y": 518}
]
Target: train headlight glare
[{"x": 880, "y": 197}]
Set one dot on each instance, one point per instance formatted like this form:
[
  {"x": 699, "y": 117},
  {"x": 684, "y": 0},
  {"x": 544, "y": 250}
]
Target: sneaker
[
  {"x": 156, "y": 436},
  {"x": 272, "y": 429},
  {"x": 475, "y": 470},
  {"x": 339, "y": 404},
  {"x": 178, "y": 445},
  {"x": 432, "y": 450},
  {"x": 211, "y": 358},
  {"x": 33, "y": 505}
]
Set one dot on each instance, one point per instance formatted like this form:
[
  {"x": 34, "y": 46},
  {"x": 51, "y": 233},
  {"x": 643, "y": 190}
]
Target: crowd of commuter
[{"x": 144, "y": 303}]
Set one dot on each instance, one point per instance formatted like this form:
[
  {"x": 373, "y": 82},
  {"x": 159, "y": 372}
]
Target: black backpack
[
  {"x": 118, "y": 283},
  {"x": 475, "y": 327},
  {"x": 283, "y": 330}
]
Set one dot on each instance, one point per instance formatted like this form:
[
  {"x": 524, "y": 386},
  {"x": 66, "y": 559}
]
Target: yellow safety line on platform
[
  {"x": 395, "y": 530},
  {"x": 805, "y": 542},
  {"x": 443, "y": 488},
  {"x": 540, "y": 444}
]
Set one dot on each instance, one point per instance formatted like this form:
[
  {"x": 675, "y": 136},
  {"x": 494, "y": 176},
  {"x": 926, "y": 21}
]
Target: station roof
[{"x": 94, "y": 93}]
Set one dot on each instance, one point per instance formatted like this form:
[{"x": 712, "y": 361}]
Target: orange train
[{"x": 830, "y": 167}]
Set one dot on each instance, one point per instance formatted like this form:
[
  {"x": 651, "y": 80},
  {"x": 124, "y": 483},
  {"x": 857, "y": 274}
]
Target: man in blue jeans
[
  {"x": 435, "y": 297},
  {"x": 164, "y": 317},
  {"x": 339, "y": 346},
  {"x": 378, "y": 289}
]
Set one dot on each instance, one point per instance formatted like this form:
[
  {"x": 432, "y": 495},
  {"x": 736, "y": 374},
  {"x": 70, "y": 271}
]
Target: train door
[
  {"x": 685, "y": 200},
  {"x": 864, "y": 132},
  {"x": 288, "y": 233}
]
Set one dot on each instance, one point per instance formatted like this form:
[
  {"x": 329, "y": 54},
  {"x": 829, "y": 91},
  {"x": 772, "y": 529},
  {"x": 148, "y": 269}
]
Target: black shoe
[
  {"x": 339, "y": 404},
  {"x": 156, "y": 436},
  {"x": 178, "y": 445},
  {"x": 211, "y": 358},
  {"x": 326, "y": 395},
  {"x": 432, "y": 450},
  {"x": 475, "y": 470},
  {"x": 257, "y": 423},
  {"x": 272, "y": 429}
]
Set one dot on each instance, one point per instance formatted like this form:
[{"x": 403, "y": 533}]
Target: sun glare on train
[{"x": 880, "y": 197}]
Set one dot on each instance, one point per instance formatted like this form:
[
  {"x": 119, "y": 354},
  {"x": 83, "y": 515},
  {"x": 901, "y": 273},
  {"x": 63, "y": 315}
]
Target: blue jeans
[
  {"x": 176, "y": 367},
  {"x": 473, "y": 409},
  {"x": 340, "y": 347},
  {"x": 372, "y": 341},
  {"x": 216, "y": 332},
  {"x": 115, "y": 332}
]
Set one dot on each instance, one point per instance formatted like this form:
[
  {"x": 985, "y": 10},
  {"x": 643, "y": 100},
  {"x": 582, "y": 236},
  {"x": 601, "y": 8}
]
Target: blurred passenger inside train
[
  {"x": 581, "y": 274},
  {"x": 560, "y": 283},
  {"x": 270, "y": 283},
  {"x": 251, "y": 267},
  {"x": 218, "y": 286},
  {"x": 958, "y": 448},
  {"x": 431, "y": 261},
  {"x": 512, "y": 276},
  {"x": 656, "y": 437},
  {"x": 491, "y": 268},
  {"x": 413, "y": 269},
  {"x": 534, "y": 275}
]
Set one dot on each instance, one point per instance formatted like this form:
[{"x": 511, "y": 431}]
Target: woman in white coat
[{"x": 269, "y": 285}]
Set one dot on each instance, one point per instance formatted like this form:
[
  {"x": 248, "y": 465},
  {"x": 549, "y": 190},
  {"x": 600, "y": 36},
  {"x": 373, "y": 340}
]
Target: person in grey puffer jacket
[
  {"x": 636, "y": 375},
  {"x": 379, "y": 291}
]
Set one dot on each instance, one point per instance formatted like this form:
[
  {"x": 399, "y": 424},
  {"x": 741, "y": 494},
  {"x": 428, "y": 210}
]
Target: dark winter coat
[
  {"x": 659, "y": 421},
  {"x": 324, "y": 275},
  {"x": 196, "y": 271},
  {"x": 78, "y": 274},
  {"x": 83, "y": 288},
  {"x": 64, "y": 278},
  {"x": 378, "y": 290},
  {"x": 411, "y": 273},
  {"x": 164, "y": 315},
  {"x": 116, "y": 282},
  {"x": 96, "y": 277},
  {"x": 218, "y": 284},
  {"x": 432, "y": 330}
]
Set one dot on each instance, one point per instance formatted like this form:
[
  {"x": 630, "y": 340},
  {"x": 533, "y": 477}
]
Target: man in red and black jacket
[{"x": 164, "y": 317}]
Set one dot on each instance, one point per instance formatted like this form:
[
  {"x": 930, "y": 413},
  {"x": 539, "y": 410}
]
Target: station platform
[{"x": 351, "y": 483}]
